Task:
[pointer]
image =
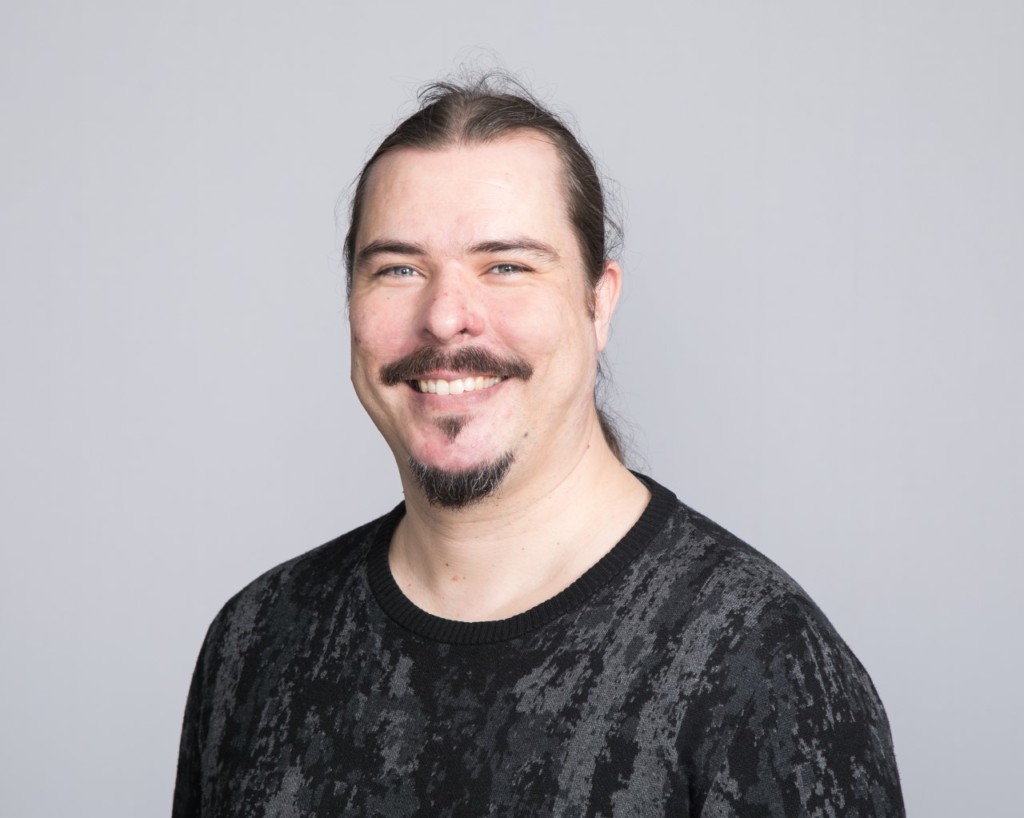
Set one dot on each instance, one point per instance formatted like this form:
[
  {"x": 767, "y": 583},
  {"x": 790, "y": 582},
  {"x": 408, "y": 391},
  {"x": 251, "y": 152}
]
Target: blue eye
[
  {"x": 399, "y": 271},
  {"x": 507, "y": 269}
]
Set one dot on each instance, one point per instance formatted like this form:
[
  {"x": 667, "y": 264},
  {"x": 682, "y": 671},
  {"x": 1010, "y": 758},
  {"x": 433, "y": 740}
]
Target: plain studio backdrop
[{"x": 819, "y": 343}]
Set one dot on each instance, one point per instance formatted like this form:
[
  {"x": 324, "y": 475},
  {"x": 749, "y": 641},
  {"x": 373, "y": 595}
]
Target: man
[{"x": 536, "y": 630}]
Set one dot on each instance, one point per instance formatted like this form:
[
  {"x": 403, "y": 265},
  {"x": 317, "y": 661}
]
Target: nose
[{"x": 452, "y": 307}]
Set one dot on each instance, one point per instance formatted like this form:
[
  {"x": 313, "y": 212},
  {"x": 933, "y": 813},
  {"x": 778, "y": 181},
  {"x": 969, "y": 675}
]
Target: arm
[{"x": 188, "y": 787}]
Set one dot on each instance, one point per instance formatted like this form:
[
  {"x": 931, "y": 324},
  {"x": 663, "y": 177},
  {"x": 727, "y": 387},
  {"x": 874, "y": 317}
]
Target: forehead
[{"x": 467, "y": 193}]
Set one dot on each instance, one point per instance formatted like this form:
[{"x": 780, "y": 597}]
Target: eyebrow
[
  {"x": 382, "y": 247},
  {"x": 537, "y": 248}
]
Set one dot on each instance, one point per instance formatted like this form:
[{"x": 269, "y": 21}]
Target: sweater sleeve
[{"x": 812, "y": 739}]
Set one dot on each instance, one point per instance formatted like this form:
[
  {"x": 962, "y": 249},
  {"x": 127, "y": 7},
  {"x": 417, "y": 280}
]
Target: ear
[{"x": 606, "y": 296}]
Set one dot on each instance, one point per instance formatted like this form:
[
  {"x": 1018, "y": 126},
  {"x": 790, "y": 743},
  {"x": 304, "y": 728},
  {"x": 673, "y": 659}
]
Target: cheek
[
  {"x": 367, "y": 354},
  {"x": 532, "y": 319},
  {"x": 372, "y": 332},
  {"x": 553, "y": 330}
]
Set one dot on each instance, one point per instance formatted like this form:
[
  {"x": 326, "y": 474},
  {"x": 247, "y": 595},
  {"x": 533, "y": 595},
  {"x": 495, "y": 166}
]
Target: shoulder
[
  {"x": 736, "y": 612},
  {"x": 297, "y": 587},
  {"x": 777, "y": 686},
  {"x": 713, "y": 573}
]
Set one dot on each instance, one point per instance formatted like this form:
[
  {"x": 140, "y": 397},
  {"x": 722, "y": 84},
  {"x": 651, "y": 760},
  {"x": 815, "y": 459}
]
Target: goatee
[{"x": 458, "y": 489}]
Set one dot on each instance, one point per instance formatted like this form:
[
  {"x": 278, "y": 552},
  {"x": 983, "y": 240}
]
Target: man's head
[{"x": 477, "y": 251}]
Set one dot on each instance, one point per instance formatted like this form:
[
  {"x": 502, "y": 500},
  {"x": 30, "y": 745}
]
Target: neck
[{"x": 510, "y": 552}]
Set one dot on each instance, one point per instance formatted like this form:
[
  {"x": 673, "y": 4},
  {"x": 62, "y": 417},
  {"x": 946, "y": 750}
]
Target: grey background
[{"x": 819, "y": 343}]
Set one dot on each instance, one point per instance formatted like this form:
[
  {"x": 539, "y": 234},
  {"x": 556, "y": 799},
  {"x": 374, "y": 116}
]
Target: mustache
[{"x": 471, "y": 360}]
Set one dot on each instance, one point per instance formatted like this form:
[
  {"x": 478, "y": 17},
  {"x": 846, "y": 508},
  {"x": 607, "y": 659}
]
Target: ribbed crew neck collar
[{"x": 397, "y": 606}]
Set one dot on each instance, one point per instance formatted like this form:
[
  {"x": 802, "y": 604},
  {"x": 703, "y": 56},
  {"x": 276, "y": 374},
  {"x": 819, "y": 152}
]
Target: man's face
[{"x": 473, "y": 340}]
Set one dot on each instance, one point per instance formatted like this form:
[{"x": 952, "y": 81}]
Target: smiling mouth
[
  {"x": 436, "y": 386},
  {"x": 411, "y": 369}
]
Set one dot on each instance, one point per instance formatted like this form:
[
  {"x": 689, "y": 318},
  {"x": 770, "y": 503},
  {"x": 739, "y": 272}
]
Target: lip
[{"x": 439, "y": 363}]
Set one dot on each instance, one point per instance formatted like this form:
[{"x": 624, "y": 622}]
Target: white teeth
[{"x": 456, "y": 387}]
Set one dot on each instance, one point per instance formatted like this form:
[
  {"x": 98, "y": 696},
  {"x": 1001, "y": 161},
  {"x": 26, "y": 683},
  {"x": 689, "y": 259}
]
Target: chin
[
  {"x": 458, "y": 487},
  {"x": 447, "y": 444}
]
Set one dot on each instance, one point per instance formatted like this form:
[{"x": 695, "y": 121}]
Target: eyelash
[
  {"x": 394, "y": 268},
  {"x": 512, "y": 268},
  {"x": 503, "y": 268}
]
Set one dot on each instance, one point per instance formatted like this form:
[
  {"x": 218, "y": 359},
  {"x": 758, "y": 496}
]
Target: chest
[{"x": 395, "y": 727}]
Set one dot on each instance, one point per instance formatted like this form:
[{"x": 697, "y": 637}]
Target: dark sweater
[{"x": 684, "y": 674}]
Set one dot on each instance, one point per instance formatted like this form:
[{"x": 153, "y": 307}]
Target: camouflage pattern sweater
[{"x": 684, "y": 674}]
